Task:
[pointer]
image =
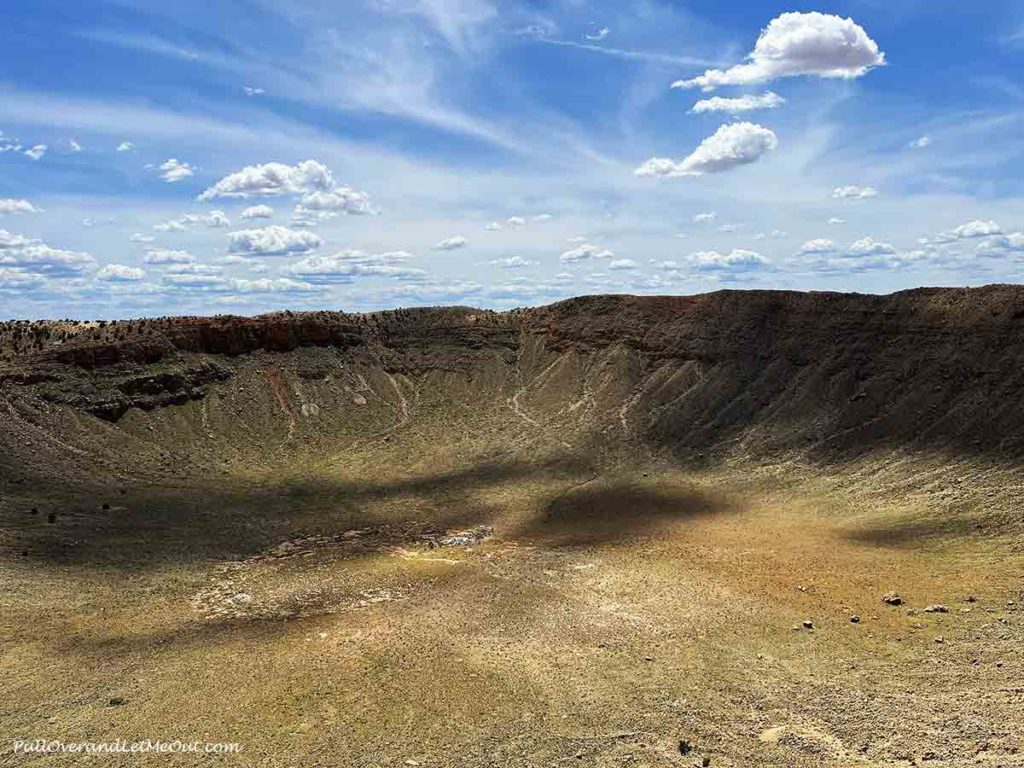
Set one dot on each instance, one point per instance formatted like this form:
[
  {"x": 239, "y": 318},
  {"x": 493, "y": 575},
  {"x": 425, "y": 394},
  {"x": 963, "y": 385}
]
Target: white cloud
[
  {"x": 213, "y": 219},
  {"x": 494, "y": 226},
  {"x": 165, "y": 256},
  {"x": 868, "y": 247},
  {"x": 977, "y": 228},
  {"x": 813, "y": 44},
  {"x": 732, "y": 145},
  {"x": 169, "y": 226},
  {"x": 836, "y": 220},
  {"x": 346, "y": 266},
  {"x": 515, "y": 221},
  {"x": 451, "y": 243},
  {"x": 584, "y": 252},
  {"x": 14, "y": 205},
  {"x": 598, "y": 36},
  {"x": 818, "y": 246},
  {"x": 274, "y": 240},
  {"x": 701, "y": 218},
  {"x": 513, "y": 262},
  {"x": 852, "y": 192},
  {"x": 125, "y": 146},
  {"x": 273, "y": 180},
  {"x": 248, "y": 90},
  {"x": 173, "y": 170},
  {"x": 35, "y": 256},
  {"x": 921, "y": 143},
  {"x": 338, "y": 200},
  {"x": 217, "y": 219},
  {"x": 19, "y": 281},
  {"x": 1002, "y": 245},
  {"x": 258, "y": 212},
  {"x": 74, "y": 146},
  {"x": 36, "y": 152},
  {"x": 747, "y": 103},
  {"x": 622, "y": 264},
  {"x": 138, "y": 237},
  {"x": 119, "y": 273},
  {"x": 737, "y": 260}
]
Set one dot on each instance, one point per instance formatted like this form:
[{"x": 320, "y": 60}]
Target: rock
[
  {"x": 685, "y": 747},
  {"x": 940, "y": 639},
  {"x": 705, "y": 762},
  {"x": 242, "y": 598},
  {"x": 51, "y": 518},
  {"x": 936, "y": 608},
  {"x": 971, "y": 599},
  {"x": 648, "y": 658},
  {"x": 892, "y": 598},
  {"x": 106, "y": 506},
  {"x": 855, "y": 619},
  {"x": 808, "y": 624},
  {"x": 117, "y": 701}
]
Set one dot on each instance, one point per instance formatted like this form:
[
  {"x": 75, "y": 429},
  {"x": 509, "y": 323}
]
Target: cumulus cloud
[
  {"x": 249, "y": 90},
  {"x": 158, "y": 256},
  {"x": 748, "y": 103},
  {"x": 273, "y": 180},
  {"x": 173, "y": 170},
  {"x": 513, "y": 262},
  {"x": 818, "y": 246},
  {"x": 119, "y": 273},
  {"x": 35, "y": 256},
  {"x": 138, "y": 237},
  {"x": 968, "y": 231},
  {"x": 708, "y": 216},
  {"x": 258, "y": 212},
  {"x": 732, "y": 145},
  {"x": 451, "y": 243},
  {"x": 36, "y": 152},
  {"x": 977, "y": 228},
  {"x": 793, "y": 44},
  {"x": 274, "y": 240},
  {"x": 213, "y": 219},
  {"x": 346, "y": 266},
  {"x": 597, "y": 36},
  {"x": 19, "y": 281},
  {"x": 852, "y": 192},
  {"x": 623, "y": 264},
  {"x": 125, "y": 146},
  {"x": 836, "y": 220},
  {"x": 1002, "y": 245},
  {"x": 921, "y": 143},
  {"x": 585, "y": 252},
  {"x": 74, "y": 146},
  {"x": 326, "y": 204},
  {"x": 14, "y": 205},
  {"x": 736, "y": 260},
  {"x": 869, "y": 247}
]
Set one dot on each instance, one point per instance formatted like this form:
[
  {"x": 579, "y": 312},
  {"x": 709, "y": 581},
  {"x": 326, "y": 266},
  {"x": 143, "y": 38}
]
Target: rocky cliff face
[{"x": 734, "y": 373}]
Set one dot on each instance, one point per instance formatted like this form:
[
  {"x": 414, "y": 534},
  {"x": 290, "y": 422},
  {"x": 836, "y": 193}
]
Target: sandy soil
[{"x": 637, "y": 617}]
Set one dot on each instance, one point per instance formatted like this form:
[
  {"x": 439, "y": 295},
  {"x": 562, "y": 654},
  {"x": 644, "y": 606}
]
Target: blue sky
[{"x": 201, "y": 157}]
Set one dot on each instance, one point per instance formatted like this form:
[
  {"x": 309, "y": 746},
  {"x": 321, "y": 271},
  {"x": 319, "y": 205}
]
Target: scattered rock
[
  {"x": 106, "y": 506},
  {"x": 808, "y": 624},
  {"x": 648, "y": 658},
  {"x": 940, "y": 639},
  {"x": 855, "y": 619},
  {"x": 971, "y": 599},
  {"x": 241, "y": 598},
  {"x": 51, "y": 518},
  {"x": 705, "y": 762},
  {"x": 685, "y": 747},
  {"x": 936, "y": 608},
  {"x": 892, "y": 598},
  {"x": 117, "y": 701}
]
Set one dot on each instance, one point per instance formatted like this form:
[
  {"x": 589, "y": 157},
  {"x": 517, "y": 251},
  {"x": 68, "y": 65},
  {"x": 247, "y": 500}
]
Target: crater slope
[{"x": 616, "y": 530}]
